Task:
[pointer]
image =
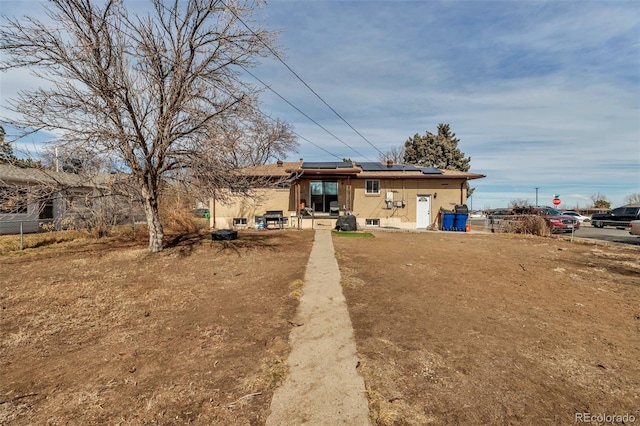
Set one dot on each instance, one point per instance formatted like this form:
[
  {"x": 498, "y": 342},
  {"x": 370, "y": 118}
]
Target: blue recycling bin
[
  {"x": 460, "y": 222},
  {"x": 448, "y": 220}
]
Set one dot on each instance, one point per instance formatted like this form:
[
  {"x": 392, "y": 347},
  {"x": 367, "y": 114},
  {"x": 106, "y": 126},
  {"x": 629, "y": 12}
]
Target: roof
[
  {"x": 357, "y": 170},
  {"x": 16, "y": 175},
  {"x": 280, "y": 169}
]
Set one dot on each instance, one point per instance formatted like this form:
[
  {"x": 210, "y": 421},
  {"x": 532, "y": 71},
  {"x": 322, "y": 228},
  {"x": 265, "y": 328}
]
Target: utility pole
[{"x": 537, "y": 197}]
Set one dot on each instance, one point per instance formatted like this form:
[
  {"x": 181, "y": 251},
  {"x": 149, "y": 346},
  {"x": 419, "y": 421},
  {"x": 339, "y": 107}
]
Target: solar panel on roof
[
  {"x": 326, "y": 165},
  {"x": 382, "y": 167},
  {"x": 430, "y": 171},
  {"x": 370, "y": 167}
]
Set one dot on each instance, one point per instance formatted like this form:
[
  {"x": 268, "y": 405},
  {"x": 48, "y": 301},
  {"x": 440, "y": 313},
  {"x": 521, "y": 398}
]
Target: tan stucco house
[{"x": 377, "y": 194}]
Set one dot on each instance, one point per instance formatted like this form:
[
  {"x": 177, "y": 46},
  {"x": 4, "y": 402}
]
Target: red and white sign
[{"x": 556, "y": 201}]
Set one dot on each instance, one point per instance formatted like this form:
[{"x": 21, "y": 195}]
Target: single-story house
[
  {"x": 377, "y": 194},
  {"x": 32, "y": 199},
  {"x": 23, "y": 205}
]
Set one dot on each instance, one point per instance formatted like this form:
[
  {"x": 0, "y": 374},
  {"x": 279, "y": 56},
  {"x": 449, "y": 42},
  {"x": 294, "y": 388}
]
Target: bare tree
[
  {"x": 520, "y": 202},
  {"x": 633, "y": 199},
  {"x": 151, "y": 92},
  {"x": 256, "y": 140},
  {"x": 395, "y": 154}
]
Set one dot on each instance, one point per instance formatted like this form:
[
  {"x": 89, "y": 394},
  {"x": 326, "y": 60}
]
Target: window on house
[
  {"x": 47, "y": 211},
  {"x": 239, "y": 221},
  {"x": 372, "y": 187},
  {"x": 13, "y": 200},
  {"x": 372, "y": 222}
]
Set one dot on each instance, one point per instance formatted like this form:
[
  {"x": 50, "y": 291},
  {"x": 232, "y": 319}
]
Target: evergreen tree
[
  {"x": 440, "y": 151},
  {"x": 6, "y": 150},
  {"x": 8, "y": 157}
]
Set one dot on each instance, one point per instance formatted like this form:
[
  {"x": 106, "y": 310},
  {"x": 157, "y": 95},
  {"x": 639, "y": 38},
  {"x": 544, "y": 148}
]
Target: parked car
[
  {"x": 619, "y": 217},
  {"x": 556, "y": 221},
  {"x": 634, "y": 227},
  {"x": 578, "y": 216}
]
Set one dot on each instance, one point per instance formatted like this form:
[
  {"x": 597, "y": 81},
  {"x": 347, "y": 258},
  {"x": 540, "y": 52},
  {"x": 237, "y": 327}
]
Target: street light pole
[{"x": 537, "y": 196}]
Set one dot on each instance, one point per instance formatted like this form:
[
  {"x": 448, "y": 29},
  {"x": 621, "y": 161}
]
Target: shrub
[{"x": 527, "y": 224}]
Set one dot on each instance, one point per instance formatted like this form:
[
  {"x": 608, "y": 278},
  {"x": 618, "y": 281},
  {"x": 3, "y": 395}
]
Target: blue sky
[{"x": 541, "y": 94}]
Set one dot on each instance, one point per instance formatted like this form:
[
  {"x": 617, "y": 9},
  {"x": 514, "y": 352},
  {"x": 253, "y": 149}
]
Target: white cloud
[{"x": 541, "y": 94}]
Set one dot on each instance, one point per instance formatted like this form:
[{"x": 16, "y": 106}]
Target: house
[
  {"x": 32, "y": 199},
  {"x": 378, "y": 194}
]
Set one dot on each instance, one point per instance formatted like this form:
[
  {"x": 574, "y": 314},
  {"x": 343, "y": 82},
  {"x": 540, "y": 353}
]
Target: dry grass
[
  {"x": 529, "y": 224},
  {"x": 11, "y": 243},
  {"x": 113, "y": 334},
  {"x": 180, "y": 220},
  {"x": 296, "y": 289},
  {"x": 493, "y": 328}
]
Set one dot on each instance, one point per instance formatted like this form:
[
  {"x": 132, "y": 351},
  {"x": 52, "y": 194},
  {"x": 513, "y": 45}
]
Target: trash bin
[
  {"x": 448, "y": 221},
  {"x": 460, "y": 222},
  {"x": 224, "y": 235}
]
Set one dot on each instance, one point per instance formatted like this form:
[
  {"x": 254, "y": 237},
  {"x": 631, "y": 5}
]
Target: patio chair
[{"x": 334, "y": 208}]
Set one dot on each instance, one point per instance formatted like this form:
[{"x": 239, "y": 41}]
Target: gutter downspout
[{"x": 462, "y": 185}]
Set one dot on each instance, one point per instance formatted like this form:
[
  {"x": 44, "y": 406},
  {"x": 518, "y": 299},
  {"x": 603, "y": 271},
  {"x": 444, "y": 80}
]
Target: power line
[
  {"x": 287, "y": 101},
  {"x": 274, "y": 53},
  {"x": 303, "y": 113},
  {"x": 274, "y": 120}
]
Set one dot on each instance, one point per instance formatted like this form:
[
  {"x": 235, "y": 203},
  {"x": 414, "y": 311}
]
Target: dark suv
[{"x": 619, "y": 217}]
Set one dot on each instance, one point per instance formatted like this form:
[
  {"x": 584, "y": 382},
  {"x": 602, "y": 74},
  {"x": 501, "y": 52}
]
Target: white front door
[{"x": 423, "y": 212}]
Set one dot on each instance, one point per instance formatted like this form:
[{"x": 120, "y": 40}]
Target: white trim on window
[
  {"x": 372, "y": 187},
  {"x": 372, "y": 222},
  {"x": 239, "y": 221}
]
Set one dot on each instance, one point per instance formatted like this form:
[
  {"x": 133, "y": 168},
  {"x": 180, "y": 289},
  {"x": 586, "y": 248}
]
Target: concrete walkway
[{"x": 323, "y": 386}]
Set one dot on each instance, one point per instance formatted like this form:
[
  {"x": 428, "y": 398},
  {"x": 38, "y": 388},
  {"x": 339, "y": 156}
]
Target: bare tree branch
[{"x": 154, "y": 93}]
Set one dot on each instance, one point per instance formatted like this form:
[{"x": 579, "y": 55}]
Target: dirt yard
[
  {"x": 110, "y": 334},
  {"x": 482, "y": 329},
  {"x": 451, "y": 328}
]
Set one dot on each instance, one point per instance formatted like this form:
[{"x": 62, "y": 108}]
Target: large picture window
[
  {"x": 372, "y": 187},
  {"x": 323, "y": 193}
]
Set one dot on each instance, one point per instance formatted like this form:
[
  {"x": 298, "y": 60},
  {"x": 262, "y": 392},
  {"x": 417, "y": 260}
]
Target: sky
[{"x": 544, "y": 96}]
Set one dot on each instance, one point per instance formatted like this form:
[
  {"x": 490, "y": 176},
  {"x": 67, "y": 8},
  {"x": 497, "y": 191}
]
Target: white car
[
  {"x": 578, "y": 216},
  {"x": 634, "y": 227}
]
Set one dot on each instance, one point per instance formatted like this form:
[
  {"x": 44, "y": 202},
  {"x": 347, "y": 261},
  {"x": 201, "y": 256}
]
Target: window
[
  {"x": 372, "y": 222},
  {"x": 372, "y": 187},
  {"x": 13, "y": 200},
  {"x": 239, "y": 221},
  {"x": 323, "y": 193}
]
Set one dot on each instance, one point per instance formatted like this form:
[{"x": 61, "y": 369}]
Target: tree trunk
[{"x": 156, "y": 234}]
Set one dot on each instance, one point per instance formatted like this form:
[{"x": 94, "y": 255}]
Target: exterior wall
[
  {"x": 10, "y": 223},
  {"x": 32, "y": 220},
  {"x": 444, "y": 193},
  {"x": 248, "y": 207}
]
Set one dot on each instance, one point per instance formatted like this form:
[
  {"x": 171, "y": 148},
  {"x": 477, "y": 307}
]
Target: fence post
[{"x": 21, "y": 237}]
